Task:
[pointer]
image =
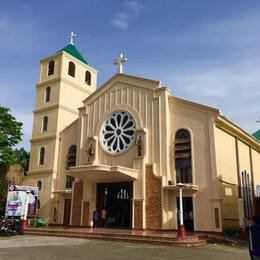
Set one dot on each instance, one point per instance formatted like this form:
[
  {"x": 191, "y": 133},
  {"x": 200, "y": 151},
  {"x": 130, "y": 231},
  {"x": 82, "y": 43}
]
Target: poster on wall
[{"x": 18, "y": 197}]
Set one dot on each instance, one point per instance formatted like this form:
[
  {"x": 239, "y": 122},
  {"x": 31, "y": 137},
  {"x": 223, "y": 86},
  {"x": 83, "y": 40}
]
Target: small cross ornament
[
  {"x": 119, "y": 62},
  {"x": 71, "y": 37}
]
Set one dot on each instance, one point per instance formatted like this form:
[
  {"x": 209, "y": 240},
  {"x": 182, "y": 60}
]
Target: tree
[
  {"x": 22, "y": 158},
  {"x": 10, "y": 135}
]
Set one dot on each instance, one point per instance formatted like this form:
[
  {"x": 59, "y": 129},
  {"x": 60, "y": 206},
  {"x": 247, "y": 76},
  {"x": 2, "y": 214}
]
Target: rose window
[{"x": 117, "y": 132}]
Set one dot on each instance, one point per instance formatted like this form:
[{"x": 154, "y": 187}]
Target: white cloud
[
  {"x": 135, "y": 6},
  {"x": 123, "y": 18}
]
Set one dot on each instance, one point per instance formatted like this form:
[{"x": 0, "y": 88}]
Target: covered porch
[{"x": 102, "y": 186}]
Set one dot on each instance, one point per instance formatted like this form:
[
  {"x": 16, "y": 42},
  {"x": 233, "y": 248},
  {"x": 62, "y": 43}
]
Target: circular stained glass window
[{"x": 117, "y": 132}]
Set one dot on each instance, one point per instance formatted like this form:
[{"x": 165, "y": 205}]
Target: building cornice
[
  {"x": 55, "y": 106},
  {"x": 194, "y": 104},
  {"x": 236, "y": 131},
  {"x": 120, "y": 78},
  {"x": 43, "y": 138},
  {"x": 86, "y": 90},
  {"x": 40, "y": 172}
]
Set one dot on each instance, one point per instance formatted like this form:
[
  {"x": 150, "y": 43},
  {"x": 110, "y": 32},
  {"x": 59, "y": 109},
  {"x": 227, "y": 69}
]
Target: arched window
[
  {"x": 47, "y": 94},
  {"x": 88, "y": 78},
  {"x": 39, "y": 185},
  {"x": 42, "y": 155},
  {"x": 72, "y": 155},
  {"x": 45, "y": 124},
  {"x": 51, "y": 68},
  {"x": 182, "y": 154},
  {"x": 72, "y": 69},
  {"x": 123, "y": 194}
]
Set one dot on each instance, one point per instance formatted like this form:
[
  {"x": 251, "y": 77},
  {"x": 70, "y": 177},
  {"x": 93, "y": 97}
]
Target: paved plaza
[{"x": 58, "y": 248}]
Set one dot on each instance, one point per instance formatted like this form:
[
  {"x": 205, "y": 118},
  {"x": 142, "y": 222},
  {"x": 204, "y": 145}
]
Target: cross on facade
[
  {"x": 119, "y": 62},
  {"x": 71, "y": 37}
]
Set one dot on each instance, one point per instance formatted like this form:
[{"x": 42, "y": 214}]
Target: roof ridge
[{"x": 72, "y": 50}]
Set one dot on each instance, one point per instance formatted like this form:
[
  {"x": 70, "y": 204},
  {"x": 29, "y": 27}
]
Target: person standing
[
  {"x": 95, "y": 218},
  {"x": 254, "y": 238},
  {"x": 103, "y": 216}
]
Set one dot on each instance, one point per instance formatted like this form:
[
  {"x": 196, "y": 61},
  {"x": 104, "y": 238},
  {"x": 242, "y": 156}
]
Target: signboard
[{"x": 19, "y": 198}]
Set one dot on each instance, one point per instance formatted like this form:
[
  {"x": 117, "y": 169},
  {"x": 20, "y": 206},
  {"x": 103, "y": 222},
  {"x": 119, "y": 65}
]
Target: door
[
  {"x": 66, "y": 215},
  {"x": 116, "y": 198},
  {"x": 188, "y": 219}
]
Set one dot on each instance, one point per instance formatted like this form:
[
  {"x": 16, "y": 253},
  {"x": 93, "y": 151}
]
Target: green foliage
[
  {"x": 21, "y": 157},
  {"x": 10, "y": 135}
]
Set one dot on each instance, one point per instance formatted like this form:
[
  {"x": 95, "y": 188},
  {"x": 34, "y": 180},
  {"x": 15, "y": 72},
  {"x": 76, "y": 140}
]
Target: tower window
[
  {"x": 47, "y": 94},
  {"x": 51, "y": 68},
  {"x": 88, "y": 78},
  {"x": 182, "y": 154},
  {"x": 45, "y": 124},
  {"x": 72, "y": 155},
  {"x": 42, "y": 155},
  {"x": 72, "y": 69},
  {"x": 39, "y": 185}
]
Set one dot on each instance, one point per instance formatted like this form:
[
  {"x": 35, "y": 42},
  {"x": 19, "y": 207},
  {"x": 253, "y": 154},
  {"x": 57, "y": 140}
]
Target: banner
[{"x": 18, "y": 197}]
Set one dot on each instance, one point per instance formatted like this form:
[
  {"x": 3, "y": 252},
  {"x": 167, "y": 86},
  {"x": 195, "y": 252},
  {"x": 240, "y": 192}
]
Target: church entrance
[
  {"x": 116, "y": 198},
  {"x": 187, "y": 213}
]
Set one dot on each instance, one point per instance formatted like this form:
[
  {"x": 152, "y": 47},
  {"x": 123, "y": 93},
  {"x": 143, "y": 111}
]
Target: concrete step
[{"x": 187, "y": 242}]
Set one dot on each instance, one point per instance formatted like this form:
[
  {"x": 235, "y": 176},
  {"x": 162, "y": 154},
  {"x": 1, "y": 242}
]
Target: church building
[{"x": 125, "y": 146}]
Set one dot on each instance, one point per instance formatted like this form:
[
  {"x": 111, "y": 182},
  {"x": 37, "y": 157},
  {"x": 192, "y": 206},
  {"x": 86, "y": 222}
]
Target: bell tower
[{"x": 65, "y": 80}]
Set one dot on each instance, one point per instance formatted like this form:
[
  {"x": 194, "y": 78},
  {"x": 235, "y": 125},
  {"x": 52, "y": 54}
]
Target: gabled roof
[
  {"x": 123, "y": 77},
  {"x": 257, "y": 135},
  {"x": 72, "y": 50}
]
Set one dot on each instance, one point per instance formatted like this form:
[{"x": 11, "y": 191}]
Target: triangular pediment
[{"x": 124, "y": 79}]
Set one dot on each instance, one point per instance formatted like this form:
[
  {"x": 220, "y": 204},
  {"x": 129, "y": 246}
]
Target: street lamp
[{"x": 181, "y": 227}]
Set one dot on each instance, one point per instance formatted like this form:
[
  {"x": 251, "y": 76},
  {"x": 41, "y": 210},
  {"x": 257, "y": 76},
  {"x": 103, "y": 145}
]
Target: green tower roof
[
  {"x": 257, "y": 135},
  {"x": 72, "y": 50}
]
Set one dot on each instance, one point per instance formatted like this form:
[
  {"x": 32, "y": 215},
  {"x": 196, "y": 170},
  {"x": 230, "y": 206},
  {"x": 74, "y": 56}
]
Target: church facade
[{"x": 126, "y": 145}]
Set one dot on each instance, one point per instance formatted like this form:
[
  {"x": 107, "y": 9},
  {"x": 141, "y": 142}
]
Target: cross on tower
[
  {"x": 71, "y": 37},
  {"x": 119, "y": 62}
]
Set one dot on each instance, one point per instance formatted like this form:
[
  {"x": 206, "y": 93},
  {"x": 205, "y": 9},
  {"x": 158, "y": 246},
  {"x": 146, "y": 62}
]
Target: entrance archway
[{"x": 116, "y": 198}]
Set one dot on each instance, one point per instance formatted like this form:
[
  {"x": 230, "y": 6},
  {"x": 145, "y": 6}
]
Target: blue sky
[{"x": 205, "y": 51}]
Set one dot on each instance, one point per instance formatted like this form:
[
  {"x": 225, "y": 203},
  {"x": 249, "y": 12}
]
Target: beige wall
[
  {"x": 227, "y": 175},
  {"x": 256, "y": 167},
  {"x": 234, "y": 155},
  {"x": 68, "y": 137},
  {"x": 197, "y": 121}
]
